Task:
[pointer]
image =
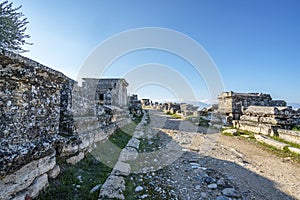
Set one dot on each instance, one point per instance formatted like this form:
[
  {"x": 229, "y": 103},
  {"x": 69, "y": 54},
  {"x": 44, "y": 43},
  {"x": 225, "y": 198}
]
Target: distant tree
[{"x": 12, "y": 28}]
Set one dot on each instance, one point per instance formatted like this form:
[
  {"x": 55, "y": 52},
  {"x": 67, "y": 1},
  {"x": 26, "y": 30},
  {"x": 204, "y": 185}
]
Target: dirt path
[
  {"x": 211, "y": 166},
  {"x": 282, "y": 173}
]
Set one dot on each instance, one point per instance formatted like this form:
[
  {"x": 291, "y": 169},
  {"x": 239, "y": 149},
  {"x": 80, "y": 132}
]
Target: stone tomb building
[
  {"x": 46, "y": 116},
  {"x": 231, "y": 104},
  {"x": 257, "y": 113},
  {"x": 267, "y": 120},
  {"x": 109, "y": 96}
]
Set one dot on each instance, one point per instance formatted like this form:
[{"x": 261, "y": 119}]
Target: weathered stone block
[
  {"x": 128, "y": 153},
  {"x": 294, "y": 150},
  {"x": 33, "y": 190},
  {"x": 121, "y": 169},
  {"x": 133, "y": 142},
  {"x": 233, "y": 132},
  {"x": 113, "y": 188},
  {"x": 24, "y": 177},
  {"x": 269, "y": 141},
  {"x": 86, "y": 140},
  {"x": 69, "y": 149},
  {"x": 289, "y": 135},
  {"x": 75, "y": 159},
  {"x": 53, "y": 173}
]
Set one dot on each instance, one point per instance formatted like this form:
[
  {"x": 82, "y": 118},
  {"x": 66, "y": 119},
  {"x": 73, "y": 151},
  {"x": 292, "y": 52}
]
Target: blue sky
[{"x": 254, "y": 43}]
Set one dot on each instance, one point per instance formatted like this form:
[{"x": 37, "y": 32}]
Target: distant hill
[{"x": 294, "y": 105}]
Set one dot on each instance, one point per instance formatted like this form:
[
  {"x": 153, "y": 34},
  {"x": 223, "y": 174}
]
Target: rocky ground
[{"x": 178, "y": 160}]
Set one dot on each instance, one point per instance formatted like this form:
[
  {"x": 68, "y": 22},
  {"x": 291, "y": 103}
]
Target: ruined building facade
[
  {"x": 259, "y": 114},
  {"x": 46, "y": 115},
  {"x": 232, "y": 104}
]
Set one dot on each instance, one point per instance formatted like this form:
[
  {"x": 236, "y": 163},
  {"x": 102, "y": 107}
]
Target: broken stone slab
[
  {"x": 294, "y": 150},
  {"x": 249, "y": 118},
  {"x": 138, "y": 134},
  {"x": 289, "y": 135},
  {"x": 69, "y": 149},
  {"x": 230, "y": 192},
  {"x": 33, "y": 190},
  {"x": 113, "y": 188},
  {"x": 53, "y": 173},
  {"x": 96, "y": 188},
  {"x": 133, "y": 142},
  {"x": 233, "y": 132},
  {"x": 100, "y": 135},
  {"x": 75, "y": 159},
  {"x": 128, "y": 153},
  {"x": 25, "y": 176},
  {"x": 272, "y": 111},
  {"x": 121, "y": 169},
  {"x": 255, "y": 127},
  {"x": 269, "y": 141},
  {"x": 86, "y": 141}
]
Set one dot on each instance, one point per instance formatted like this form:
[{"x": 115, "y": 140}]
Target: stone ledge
[
  {"x": 289, "y": 135},
  {"x": 23, "y": 178},
  {"x": 294, "y": 150},
  {"x": 269, "y": 141},
  {"x": 75, "y": 159}
]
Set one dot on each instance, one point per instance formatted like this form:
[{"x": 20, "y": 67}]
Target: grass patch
[
  {"x": 174, "y": 115},
  {"x": 68, "y": 185},
  {"x": 149, "y": 145},
  {"x": 281, "y": 153},
  {"x": 76, "y": 181},
  {"x": 203, "y": 122},
  {"x": 284, "y": 141},
  {"x": 296, "y": 128},
  {"x": 121, "y": 137},
  {"x": 227, "y": 134}
]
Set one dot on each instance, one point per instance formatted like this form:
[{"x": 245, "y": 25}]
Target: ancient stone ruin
[
  {"x": 259, "y": 114},
  {"x": 135, "y": 105},
  {"x": 46, "y": 115},
  {"x": 231, "y": 104}
]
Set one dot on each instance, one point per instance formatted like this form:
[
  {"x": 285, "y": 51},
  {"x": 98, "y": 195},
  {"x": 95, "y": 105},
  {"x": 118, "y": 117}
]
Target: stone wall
[
  {"x": 232, "y": 104},
  {"x": 267, "y": 120},
  {"x": 44, "y": 115},
  {"x": 289, "y": 135}
]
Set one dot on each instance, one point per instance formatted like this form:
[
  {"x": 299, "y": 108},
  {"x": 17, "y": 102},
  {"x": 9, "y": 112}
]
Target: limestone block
[
  {"x": 269, "y": 141},
  {"x": 86, "y": 141},
  {"x": 128, "y": 153},
  {"x": 24, "y": 177},
  {"x": 133, "y": 142},
  {"x": 289, "y": 135},
  {"x": 113, "y": 188},
  {"x": 53, "y": 173},
  {"x": 69, "y": 149},
  {"x": 33, "y": 190},
  {"x": 254, "y": 127},
  {"x": 75, "y": 159},
  {"x": 231, "y": 131},
  {"x": 121, "y": 168},
  {"x": 249, "y": 118},
  {"x": 294, "y": 150}
]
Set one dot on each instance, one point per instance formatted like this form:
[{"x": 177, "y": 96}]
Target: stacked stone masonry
[
  {"x": 258, "y": 113},
  {"x": 232, "y": 104},
  {"x": 46, "y": 115}
]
